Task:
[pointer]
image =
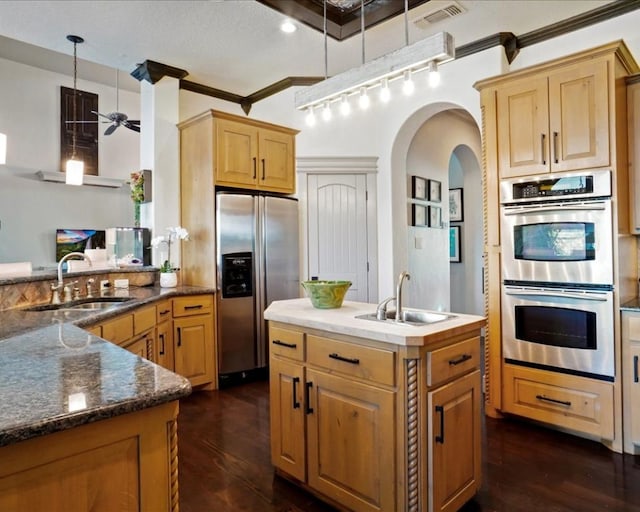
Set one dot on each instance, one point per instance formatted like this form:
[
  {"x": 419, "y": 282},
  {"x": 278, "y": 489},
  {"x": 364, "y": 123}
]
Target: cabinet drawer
[
  {"x": 119, "y": 329},
  {"x": 449, "y": 362},
  {"x": 633, "y": 325},
  {"x": 144, "y": 319},
  {"x": 286, "y": 343},
  {"x": 192, "y": 305},
  {"x": 164, "y": 311},
  {"x": 356, "y": 360},
  {"x": 576, "y": 403}
]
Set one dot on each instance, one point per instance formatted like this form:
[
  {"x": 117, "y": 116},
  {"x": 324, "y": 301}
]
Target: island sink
[{"x": 410, "y": 317}]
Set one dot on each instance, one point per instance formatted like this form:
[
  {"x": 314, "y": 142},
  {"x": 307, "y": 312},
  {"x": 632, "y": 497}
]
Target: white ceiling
[{"x": 234, "y": 45}]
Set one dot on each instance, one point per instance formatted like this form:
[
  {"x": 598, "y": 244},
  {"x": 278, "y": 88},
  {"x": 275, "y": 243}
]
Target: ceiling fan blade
[
  {"x": 111, "y": 129},
  {"x": 131, "y": 126},
  {"x": 101, "y": 115},
  {"x": 80, "y": 122}
]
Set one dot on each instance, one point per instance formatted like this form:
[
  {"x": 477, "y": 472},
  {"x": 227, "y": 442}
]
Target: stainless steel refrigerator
[{"x": 257, "y": 263}]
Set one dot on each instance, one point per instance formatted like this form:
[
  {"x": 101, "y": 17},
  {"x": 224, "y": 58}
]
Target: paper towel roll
[{"x": 96, "y": 255}]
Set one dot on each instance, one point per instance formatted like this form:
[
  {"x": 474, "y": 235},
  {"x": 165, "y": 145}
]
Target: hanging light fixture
[
  {"x": 3, "y": 149},
  {"x": 419, "y": 56},
  {"x": 74, "y": 167}
]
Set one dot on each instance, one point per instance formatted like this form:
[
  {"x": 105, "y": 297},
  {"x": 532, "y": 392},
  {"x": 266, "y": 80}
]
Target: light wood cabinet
[
  {"x": 175, "y": 333},
  {"x": 558, "y": 121},
  {"x": 346, "y": 419},
  {"x": 631, "y": 380},
  {"x": 633, "y": 117},
  {"x": 454, "y": 443}
]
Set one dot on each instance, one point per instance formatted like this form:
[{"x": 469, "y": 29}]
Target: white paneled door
[{"x": 337, "y": 230}]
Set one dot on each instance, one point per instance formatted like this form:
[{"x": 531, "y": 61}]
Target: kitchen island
[
  {"x": 376, "y": 415},
  {"x": 85, "y": 424}
]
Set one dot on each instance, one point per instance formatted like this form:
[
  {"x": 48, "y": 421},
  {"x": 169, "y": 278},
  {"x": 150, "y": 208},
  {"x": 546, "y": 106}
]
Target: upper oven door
[{"x": 558, "y": 242}]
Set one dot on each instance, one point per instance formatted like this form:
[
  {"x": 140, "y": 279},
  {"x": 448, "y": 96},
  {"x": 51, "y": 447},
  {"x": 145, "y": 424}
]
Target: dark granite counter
[
  {"x": 54, "y": 375},
  {"x": 632, "y": 305}
]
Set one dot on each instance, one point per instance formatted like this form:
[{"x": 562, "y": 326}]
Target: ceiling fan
[{"x": 118, "y": 118}]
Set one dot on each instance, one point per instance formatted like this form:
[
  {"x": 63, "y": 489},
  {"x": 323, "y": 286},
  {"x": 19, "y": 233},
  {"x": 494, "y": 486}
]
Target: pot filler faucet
[
  {"x": 55, "y": 299},
  {"x": 381, "y": 310}
]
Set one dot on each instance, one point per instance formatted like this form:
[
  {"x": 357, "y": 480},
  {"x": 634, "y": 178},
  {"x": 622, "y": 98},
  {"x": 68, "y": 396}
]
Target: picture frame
[
  {"x": 435, "y": 217},
  {"x": 418, "y": 215},
  {"x": 435, "y": 191},
  {"x": 454, "y": 245},
  {"x": 456, "y": 205},
  {"x": 418, "y": 188}
]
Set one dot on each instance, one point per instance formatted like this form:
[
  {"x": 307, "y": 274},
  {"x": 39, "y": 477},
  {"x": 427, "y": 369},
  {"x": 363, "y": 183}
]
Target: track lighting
[
  {"x": 3, "y": 149},
  {"x": 434, "y": 74},
  {"x": 326, "y": 112},
  {"x": 364, "y": 100},
  {"x": 385, "y": 93},
  {"x": 311, "y": 117},
  {"x": 345, "y": 107},
  {"x": 408, "y": 86}
]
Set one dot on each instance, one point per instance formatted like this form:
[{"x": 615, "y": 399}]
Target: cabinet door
[
  {"x": 141, "y": 346},
  {"x": 287, "y": 413},
  {"x": 454, "y": 443},
  {"x": 237, "y": 153},
  {"x": 350, "y": 448},
  {"x": 275, "y": 166},
  {"x": 523, "y": 128},
  {"x": 579, "y": 116},
  {"x": 633, "y": 113},
  {"x": 193, "y": 348},
  {"x": 634, "y": 393},
  {"x": 164, "y": 345}
]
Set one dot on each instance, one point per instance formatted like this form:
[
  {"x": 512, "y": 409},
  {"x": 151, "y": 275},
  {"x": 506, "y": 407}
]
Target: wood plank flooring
[{"x": 225, "y": 464}]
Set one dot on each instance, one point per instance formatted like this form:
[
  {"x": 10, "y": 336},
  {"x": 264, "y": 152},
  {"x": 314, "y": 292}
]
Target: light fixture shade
[
  {"x": 74, "y": 172},
  {"x": 434, "y": 74},
  {"x": 3, "y": 149},
  {"x": 438, "y": 48}
]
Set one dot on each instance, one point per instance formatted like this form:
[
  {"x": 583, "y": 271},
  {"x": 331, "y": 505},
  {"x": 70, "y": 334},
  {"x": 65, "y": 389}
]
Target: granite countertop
[
  {"x": 343, "y": 321},
  {"x": 631, "y": 305},
  {"x": 54, "y": 375},
  {"x": 18, "y": 321}
]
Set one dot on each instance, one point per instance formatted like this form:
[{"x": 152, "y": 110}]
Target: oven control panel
[{"x": 558, "y": 186}]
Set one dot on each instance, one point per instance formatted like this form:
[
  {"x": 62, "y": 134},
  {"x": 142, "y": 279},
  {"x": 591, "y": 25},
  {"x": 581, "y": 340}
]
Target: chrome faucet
[
  {"x": 401, "y": 278},
  {"x": 62, "y": 260}
]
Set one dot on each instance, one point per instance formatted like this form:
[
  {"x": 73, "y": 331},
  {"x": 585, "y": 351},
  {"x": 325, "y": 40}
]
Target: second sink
[{"x": 411, "y": 317}]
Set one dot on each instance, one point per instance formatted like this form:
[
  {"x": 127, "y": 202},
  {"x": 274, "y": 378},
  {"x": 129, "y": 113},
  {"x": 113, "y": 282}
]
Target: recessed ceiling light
[{"x": 288, "y": 26}]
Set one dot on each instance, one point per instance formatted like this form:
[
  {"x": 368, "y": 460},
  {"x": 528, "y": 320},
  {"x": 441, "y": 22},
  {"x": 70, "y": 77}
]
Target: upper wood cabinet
[
  {"x": 555, "y": 122},
  {"x": 244, "y": 153},
  {"x": 633, "y": 113}
]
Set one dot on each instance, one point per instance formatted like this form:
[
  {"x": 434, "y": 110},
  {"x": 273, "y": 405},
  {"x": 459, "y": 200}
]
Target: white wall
[{"x": 30, "y": 209}]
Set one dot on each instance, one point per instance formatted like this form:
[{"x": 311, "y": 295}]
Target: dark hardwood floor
[{"x": 225, "y": 464}]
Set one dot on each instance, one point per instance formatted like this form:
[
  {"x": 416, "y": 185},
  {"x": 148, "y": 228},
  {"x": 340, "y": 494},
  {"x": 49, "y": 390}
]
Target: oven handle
[
  {"x": 558, "y": 296},
  {"x": 559, "y": 208}
]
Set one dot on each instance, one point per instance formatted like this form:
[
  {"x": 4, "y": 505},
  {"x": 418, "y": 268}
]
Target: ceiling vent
[{"x": 437, "y": 14}]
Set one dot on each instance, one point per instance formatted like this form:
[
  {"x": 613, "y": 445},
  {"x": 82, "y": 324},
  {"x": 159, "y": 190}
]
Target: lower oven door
[{"x": 562, "y": 329}]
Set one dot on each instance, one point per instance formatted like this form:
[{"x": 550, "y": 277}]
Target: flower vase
[
  {"x": 136, "y": 214},
  {"x": 168, "y": 279}
]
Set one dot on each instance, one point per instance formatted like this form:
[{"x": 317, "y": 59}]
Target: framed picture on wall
[
  {"x": 435, "y": 191},
  {"x": 435, "y": 217},
  {"x": 418, "y": 215},
  {"x": 418, "y": 187},
  {"x": 454, "y": 244},
  {"x": 456, "y": 212}
]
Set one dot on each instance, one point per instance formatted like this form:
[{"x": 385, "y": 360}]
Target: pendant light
[
  {"x": 74, "y": 167},
  {"x": 3, "y": 149}
]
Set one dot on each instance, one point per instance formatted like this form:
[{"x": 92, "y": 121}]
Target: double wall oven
[{"x": 557, "y": 271}]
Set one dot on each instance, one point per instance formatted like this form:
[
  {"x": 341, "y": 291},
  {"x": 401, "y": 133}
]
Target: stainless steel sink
[
  {"x": 91, "y": 304},
  {"x": 410, "y": 317}
]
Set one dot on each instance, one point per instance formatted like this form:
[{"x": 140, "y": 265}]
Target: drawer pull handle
[
  {"x": 440, "y": 438},
  {"x": 283, "y": 344},
  {"x": 296, "y": 404},
  {"x": 307, "y": 388},
  {"x": 161, "y": 336},
  {"x": 461, "y": 359},
  {"x": 635, "y": 368},
  {"x": 179, "y": 336},
  {"x": 198, "y": 306},
  {"x": 165, "y": 312},
  {"x": 553, "y": 400},
  {"x": 345, "y": 359}
]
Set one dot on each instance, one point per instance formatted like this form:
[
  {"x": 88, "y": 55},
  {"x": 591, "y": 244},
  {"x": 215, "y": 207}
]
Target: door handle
[
  {"x": 307, "y": 388},
  {"x": 555, "y": 147},
  {"x": 635, "y": 368},
  {"x": 542, "y": 153},
  {"x": 553, "y": 400},
  {"x": 179, "y": 336},
  {"x": 263, "y": 169},
  {"x": 296, "y": 404},
  {"x": 255, "y": 165},
  {"x": 552, "y": 295},
  {"x": 440, "y": 438},
  {"x": 161, "y": 336}
]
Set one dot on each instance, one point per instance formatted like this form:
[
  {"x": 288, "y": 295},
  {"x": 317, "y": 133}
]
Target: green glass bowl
[{"x": 326, "y": 294}]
